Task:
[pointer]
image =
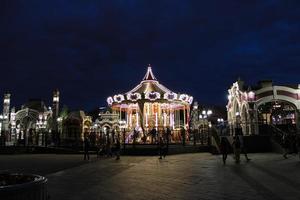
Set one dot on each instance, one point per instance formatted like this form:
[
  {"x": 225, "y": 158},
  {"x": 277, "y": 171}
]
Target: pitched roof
[
  {"x": 149, "y": 76},
  {"x": 149, "y": 84}
]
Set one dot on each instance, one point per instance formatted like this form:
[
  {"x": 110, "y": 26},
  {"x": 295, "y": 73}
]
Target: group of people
[
  {"x": 107, "y": 148},
  {"x": 290, "y": 144},
  {"x": 238, "y": 146}
]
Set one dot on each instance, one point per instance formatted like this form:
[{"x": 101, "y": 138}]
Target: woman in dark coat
[
  {"x": 118, "y": 149},
  {"x": 86, "y": 148},
  {"x": 224, "y": 147},
  {"x": 285, "y": 145},
  {"x": 237, "y": 148}
]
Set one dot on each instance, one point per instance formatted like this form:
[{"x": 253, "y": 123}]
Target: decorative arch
[
  {"x": 268, "y": 99},
  {"x": 106, "y": 125},
  {"x": 32, "y": 114},
  {"x": 245, "y": 119}
]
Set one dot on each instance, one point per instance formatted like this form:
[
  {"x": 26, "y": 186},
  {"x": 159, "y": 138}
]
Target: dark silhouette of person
[
  {"x": 153, "y": 135},
  {"x": 244, "y": 147},
  {"x": 86, "y": 148},
  {"x": 135, "y": 136},
  {"x": 183, "y": 135},
  {"x": 108, "y": 148},
  {"x": 118, "y": 148},
  {"x": 224, "y": 148},
  {"x": 237, "y": 148},
  {"x": 168, "y": 139},
  {"x": 285, "y": 145},
  {"x": 161, "y": 147}
]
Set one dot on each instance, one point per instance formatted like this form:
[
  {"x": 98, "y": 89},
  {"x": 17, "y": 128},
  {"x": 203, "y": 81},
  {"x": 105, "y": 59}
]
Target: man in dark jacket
[
  {"x": 86, "y": 148},
  {"x": 118, "y": 148}
]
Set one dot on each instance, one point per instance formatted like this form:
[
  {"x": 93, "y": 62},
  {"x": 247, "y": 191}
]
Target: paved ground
[
  {"x": 41, "y": 164},
  {"x": 186, "y": 176}
]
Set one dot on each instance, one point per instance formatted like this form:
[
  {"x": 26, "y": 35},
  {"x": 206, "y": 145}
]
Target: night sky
[{"x": 92, "y": 49}]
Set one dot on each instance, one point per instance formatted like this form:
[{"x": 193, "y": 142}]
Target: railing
[{"x": 277, "y": 134}]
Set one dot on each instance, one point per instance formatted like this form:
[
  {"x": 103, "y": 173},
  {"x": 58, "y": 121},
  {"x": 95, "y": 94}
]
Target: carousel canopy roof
[
  {"x": 149, "y": 89},
  {"x": 149, "y": 76},
  {"x": 149, "y": 84}
]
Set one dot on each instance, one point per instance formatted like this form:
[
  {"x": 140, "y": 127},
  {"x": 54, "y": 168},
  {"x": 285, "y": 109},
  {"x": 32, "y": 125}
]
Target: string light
[
  {"x": 134, "y": 96},
  {"x": 152, "y": 96},
  {"x": 119, "y": 98},
  {"x": 110, "y": 100},
  {"x": 170, "y": 96}
]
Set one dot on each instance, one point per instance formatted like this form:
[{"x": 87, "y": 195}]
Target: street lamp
[
  {"x": 205, "y": 114},
  {"x": 209, "y": 112},
  {"x": 41, "y": 126},
  {"x": 220, "y": 125}
]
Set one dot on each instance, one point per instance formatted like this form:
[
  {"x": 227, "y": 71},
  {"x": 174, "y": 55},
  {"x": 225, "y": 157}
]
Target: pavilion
[{"x": 151, "y": 106}]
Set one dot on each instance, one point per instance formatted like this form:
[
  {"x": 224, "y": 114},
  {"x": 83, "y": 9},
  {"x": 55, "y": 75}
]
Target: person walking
[
  {"x": 161, "y": 146},
  {"x": 237, "y": 148},
  {"x": 108, "y": 148},
  {"x": 285, "y": 145},
  {"x": 100, "y": 149},
  {"x": 118, "y": 148},
  {"x": 153, "y": 135},
  {"x": 243, "y": 147},
  {"x": 86, "y": 148},
  {"x": 168, "y": 134},
  {"x": 224, "y": 148},
  {"x": 183, "y": 136}
]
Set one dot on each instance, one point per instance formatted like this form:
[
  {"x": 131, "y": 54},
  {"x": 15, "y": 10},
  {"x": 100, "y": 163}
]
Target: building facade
[
  {"x": 28, "y": 125},
  {"x": 36, "y": 124},
  {"x": 254, "y": 108}
]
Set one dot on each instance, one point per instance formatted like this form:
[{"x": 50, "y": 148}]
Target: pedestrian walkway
[{"x": 188, "y": 176}]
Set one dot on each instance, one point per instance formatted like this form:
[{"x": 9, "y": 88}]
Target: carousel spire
[{"x": 149, "y": 75}]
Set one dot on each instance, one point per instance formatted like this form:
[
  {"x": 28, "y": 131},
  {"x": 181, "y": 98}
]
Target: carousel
[{"x": 151, "y": 109}]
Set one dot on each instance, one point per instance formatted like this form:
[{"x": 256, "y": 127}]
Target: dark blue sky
[{"x": 92, "y": 49}]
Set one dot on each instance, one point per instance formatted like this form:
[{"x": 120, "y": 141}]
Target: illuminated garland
[
  {"x": 109, "y": 100},
  {"x": 170, "y": 96},
  {"x": 152, "y": 96},
  {"x": 134, "y": 96},
  {"x": 251, "y": 96},
  {"x": 191, "y": 100},
  {"x": 119, "y": 98},
  {"x": 184, "y": 97}
]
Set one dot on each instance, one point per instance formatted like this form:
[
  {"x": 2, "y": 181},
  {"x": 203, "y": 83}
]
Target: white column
[
  {"x": 184, "y": 118},
  {"x": 170, "y": 119},
  {"x": 173, "y": 120},
  {"x": 130, "y": 120},
  {"x": 156, "y": 120},
  {"x": 165, "y": 119},
  {"x": 127, "y": 120},
  {"x": 146, "y": 120}
]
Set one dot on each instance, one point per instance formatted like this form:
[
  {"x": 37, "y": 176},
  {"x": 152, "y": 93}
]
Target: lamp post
[
  {"x": 41, "y": 125},
  {"x": 205, "y": 114},
  {"x": 59, "y": 129},
  {"x": 220, "y": 125}
]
